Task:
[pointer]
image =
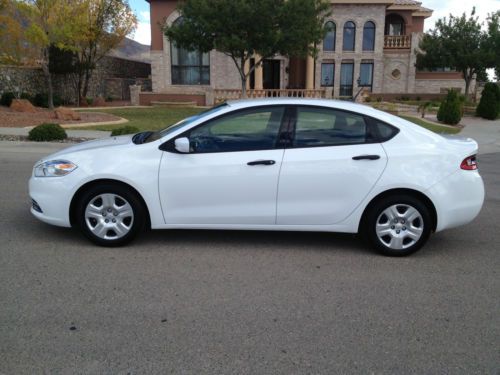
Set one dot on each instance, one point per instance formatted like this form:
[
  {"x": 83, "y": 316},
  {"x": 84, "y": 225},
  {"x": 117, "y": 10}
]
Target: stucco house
[{"x": 371, "y": 44}]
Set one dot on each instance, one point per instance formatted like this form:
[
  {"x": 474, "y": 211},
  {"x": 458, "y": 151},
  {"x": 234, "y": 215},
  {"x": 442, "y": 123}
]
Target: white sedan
[{"x": 284, "y": 164}]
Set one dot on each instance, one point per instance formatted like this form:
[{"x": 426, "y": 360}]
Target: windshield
[{"x": 162, "y": 133}]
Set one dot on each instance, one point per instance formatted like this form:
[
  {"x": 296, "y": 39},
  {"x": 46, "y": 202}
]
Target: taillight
[{"x": 469, "y": 164}]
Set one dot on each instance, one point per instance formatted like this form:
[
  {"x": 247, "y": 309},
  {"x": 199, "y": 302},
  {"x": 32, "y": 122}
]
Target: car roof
[{"x": 331, "y": 103}]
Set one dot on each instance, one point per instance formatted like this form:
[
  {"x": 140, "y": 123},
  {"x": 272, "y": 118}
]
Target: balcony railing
[
  {"x": 221, "y": 95},
  {"x": 397, "y": 41}
]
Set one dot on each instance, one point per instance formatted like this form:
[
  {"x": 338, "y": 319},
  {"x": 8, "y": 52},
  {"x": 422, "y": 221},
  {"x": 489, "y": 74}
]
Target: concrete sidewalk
[{"x": 71, "y": 133}]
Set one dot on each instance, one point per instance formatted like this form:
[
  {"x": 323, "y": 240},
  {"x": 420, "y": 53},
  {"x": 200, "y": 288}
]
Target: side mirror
[{"x": 182, "y": 145}]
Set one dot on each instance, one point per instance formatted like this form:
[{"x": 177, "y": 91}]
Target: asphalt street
[{"x": 201, "y": 302}]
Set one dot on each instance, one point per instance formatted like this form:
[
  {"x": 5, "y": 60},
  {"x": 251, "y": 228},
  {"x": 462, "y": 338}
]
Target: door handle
[
  {"x": 261, "y": 162},
  {"x": 366, "y": 157}
]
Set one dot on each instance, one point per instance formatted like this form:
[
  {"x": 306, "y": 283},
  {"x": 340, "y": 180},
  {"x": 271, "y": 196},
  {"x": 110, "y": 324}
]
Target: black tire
[
  {"x": 375, "y": 213},
  {"x": 136, "y": 224}
]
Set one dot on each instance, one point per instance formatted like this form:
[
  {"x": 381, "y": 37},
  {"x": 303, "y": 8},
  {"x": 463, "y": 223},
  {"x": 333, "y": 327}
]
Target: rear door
[{"x": 332, "y": 163}]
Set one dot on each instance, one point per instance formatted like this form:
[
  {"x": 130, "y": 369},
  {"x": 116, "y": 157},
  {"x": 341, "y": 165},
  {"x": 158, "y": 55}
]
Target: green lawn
[
  {"x": 153, "y": 118},
  {"x": 156, "y": 118},
  {"x": 436, "y": 128}
]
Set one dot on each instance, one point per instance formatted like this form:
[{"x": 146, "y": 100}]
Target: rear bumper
[{"x": 458, "y": 199}]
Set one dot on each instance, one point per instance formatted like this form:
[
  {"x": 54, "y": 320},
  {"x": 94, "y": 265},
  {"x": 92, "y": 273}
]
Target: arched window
[
  {"x": 369, "y": 36},
  {"x": 189, "y": 67},
  {"x": 329, "y": 41},
  {"x": 349, "y": 36},
  {"x": 394, "y": 25}
]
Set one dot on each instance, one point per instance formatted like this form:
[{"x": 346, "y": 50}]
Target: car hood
[{"x": 93, "y": 145}]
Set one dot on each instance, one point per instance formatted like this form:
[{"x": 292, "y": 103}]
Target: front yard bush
[
  {"x": 7, "y": 98},
  {"x": 42, "y": 100},
  {"x": 125, "y": 130},
  {"x": 451, "y": 109},
  {"x": 47, "y": 132},
  {"x": 489, "y": 105}
]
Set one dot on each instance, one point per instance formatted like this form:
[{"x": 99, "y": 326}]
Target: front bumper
[
  {"x": 458, "y": 199},
  {"x": 53, "y": 196}
]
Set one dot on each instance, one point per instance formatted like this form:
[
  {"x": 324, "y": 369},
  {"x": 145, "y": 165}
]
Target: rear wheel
[
  {"x": 110, "y": 215},
  {"x": 398, "y": 225}
]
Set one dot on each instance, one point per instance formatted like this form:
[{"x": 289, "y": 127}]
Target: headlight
[{"x": 54, "y": 168}]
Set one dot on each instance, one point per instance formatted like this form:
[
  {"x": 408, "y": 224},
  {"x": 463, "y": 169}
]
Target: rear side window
[
  {"x": 329, "y": 127},
  {"x": 383, "y": 130}
]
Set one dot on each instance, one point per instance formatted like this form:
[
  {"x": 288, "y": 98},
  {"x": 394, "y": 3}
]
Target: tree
[
  {"x": 242, "y": 29},
  {"x": 13, "y": 47},
  {"x": 489, "y": 105},
  {"x": 494, "y": 40},
  {"x": 459, "y": 43},
  {"x": 51, "y": 22},
  {"x": 106, "y": 24}
]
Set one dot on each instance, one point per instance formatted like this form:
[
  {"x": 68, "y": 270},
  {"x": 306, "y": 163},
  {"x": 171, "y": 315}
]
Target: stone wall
[
  {"x": 21, "y": 79},
  {"x": 112, "y": 77}
]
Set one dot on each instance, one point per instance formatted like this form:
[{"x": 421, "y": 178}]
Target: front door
[
  {"x": 330, "y": 168},
  {"x": 271, "y": 74},
  {"x": 231, "y": 174}
]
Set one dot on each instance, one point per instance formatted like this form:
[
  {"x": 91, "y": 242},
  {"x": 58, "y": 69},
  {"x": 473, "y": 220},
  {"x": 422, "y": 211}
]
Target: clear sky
[{"x": 441, "y": 8}]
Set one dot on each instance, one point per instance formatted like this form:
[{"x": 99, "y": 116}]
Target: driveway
[{"x": 195, "y": 302}]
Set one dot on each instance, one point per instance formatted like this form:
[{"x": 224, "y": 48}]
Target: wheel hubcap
[
  {"x": 399, "y": 226},
  {"x": 114, "y": 206}
]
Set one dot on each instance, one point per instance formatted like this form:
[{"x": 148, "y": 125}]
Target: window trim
[
  {"x": 282, "y": 138},
  {"x": 370, "y": 86},
  {"x": 334, "y": 36},
  {"x": 286, "y": 133},
  {"x": 374, "y": 28},
  {"x": 347, "y": 62},
  {"x": 199, "y": 67},
  {"x": 333, "y": 76},
  {"x": 353, "y": 37}
]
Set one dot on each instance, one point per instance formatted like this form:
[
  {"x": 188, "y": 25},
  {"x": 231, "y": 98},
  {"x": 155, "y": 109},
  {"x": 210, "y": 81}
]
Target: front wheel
[
  {"x": 398, "y": 226},
  {"x": 110, "y": 215}
]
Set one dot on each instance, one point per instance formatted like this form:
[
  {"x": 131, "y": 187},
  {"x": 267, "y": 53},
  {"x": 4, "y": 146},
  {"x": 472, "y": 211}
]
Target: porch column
[
  {"x": 310, "y": 73},
  {"x": 258, "y": 75},
  {"x": 246, "y": 69}
]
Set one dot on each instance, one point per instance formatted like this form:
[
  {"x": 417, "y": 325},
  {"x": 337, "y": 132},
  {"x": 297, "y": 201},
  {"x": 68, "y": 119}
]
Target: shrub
[
  {"x": 90, "y": 101},
  {"x": 489, "y": 105},
  {"x": 451, "y": 109},
  {"x": 379, "y": 99},
  {"x": 7, "y": 98},
  {"x": 26, "y": 96},
  {"x": 368, "y": 99},
  {"x": 418, "y": 98},
  {"x": 42, "y": 100},
  {"x": 125, "y": 130},
  {"x": 109, "y": 98},
  {"x": 47, "y": 132}
]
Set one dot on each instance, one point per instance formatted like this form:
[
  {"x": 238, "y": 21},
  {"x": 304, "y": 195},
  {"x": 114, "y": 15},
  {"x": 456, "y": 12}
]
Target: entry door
[
  {"x": 231, "y": 174},
  {"x": 329, "y": 170},
  {"x": 271, "y": 74}
]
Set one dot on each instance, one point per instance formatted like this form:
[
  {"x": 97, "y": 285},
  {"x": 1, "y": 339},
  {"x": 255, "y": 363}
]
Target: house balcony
[{"x": 397, "y": 41}]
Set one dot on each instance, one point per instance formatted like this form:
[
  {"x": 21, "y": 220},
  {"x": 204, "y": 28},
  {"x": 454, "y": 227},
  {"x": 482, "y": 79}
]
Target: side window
[
  {"x": 249, "y": 130},
  {"x": 385, "y": 131},
  {"x": 329, "y": 127}
]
